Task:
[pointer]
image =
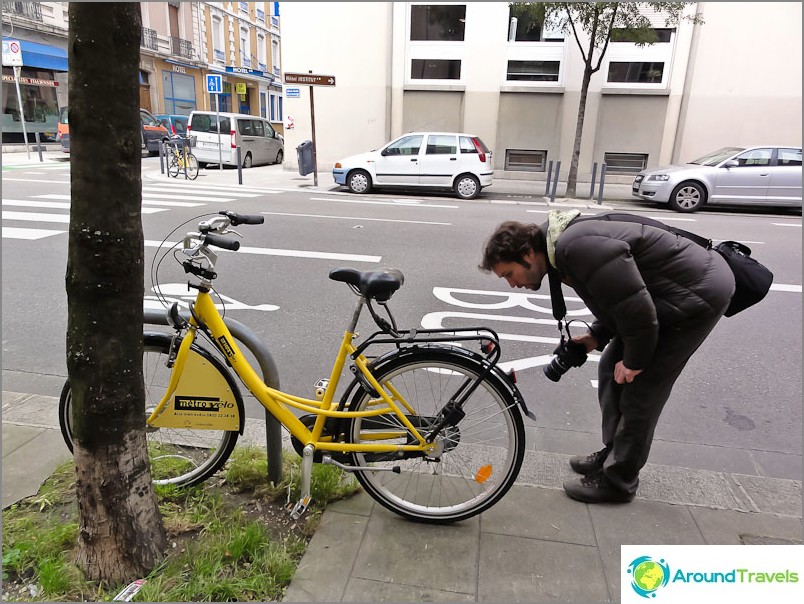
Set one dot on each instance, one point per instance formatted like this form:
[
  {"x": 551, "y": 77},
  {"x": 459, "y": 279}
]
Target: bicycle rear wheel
[
  {"x": 476, "y": 460},
  {"x": 192, "y": 166},
  {"x": 179, "y": 456},
  {"x": 173, "y": 168}
]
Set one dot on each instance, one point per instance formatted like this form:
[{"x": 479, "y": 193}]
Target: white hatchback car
[
  {"x": 762, "y": 175},
  {"x": 436, "y": 160}
]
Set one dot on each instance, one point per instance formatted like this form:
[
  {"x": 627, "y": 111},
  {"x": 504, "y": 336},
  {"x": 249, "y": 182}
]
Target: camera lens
[{"x": 555, "y": 370}]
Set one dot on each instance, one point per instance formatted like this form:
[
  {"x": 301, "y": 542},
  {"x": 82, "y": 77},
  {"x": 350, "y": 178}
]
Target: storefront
[
  {"x": 43, "y": 89},
  {"x": 248, "y": 91},
  {"x": 171, "y": 87}
]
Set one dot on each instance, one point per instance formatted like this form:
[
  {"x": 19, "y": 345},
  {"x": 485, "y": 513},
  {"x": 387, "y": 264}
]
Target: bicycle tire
[
  {"x": 179, "y": 456},
  {"x": 173, "y": 168},
  {"x": 479, "y": 458},
  {"x": 192, "y": 166}
]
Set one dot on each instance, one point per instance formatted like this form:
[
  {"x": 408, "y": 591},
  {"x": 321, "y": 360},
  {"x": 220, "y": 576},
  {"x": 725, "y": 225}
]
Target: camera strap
[{"x": 556, "y": 297}]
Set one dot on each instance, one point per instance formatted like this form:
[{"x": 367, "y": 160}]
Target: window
[
  {"x": 441, "y": 144},
  {"x": 205, "y": 122},
  {"x": 217, "y": 39},
  {"x": 259, "y": 129},
  {"x": 649, "y": 36},
  {"x": 525, "y": 160},
  {"x": 755, "y": 157},
  {"x": 533, "y": 71},
  {"x": 789, "y": 157},
  {"x": 526, "y": 24},
  {"x": 435, "y": 69},
  {"x": 262, "y": 52},
  {"x": 179, "y": 93},
  {"x": 408, "y": 145},
  {"x": 625, "y": 163},
  {"x": 245, "y": 51},
  {"x": 275, "y": 55},
  {"x": 437, "y": 22},
  {"x": 245, "y": 127},
  {"x": 636, "y": 72}
]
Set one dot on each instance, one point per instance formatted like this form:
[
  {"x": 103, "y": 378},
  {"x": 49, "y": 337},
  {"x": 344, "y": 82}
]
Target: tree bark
[
  {"x": 121, "y": 535},
  {"x": 572, "y": 177}
]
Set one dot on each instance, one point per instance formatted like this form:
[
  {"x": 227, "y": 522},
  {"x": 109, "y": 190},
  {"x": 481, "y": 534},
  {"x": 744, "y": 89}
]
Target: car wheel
[
  {"x": 688, "y": 197},
  {"x": 467, "y": 186},
  {"x": 279, "y": 157},
  {"x": 247, "y": 161},
  {"x": 359, "y": 181},
  {"x": 202, "y": 165}
]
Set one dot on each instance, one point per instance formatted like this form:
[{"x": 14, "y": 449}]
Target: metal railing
[
  {"x": 30, "y": 10},
  {"x": 149, "y": 39},
  {"x": 181, "y": 47}
]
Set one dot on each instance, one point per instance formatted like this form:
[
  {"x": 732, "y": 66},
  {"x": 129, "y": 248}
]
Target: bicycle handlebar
[
  {"x": 222, "y": 242},
  {"x": 237, "y": 219}
]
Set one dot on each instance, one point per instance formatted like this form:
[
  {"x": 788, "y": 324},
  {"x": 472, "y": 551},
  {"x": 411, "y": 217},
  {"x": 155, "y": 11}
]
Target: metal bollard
[
  {"x": 239, "y": 167},
  {"x": 549, "y": 175},
  {"x": 162, "y": 158},
  {"x": 555, "y": 182},
  {"x": 592, "y": 186},
  {"x": 38, "y": 146},
  {"x": 602, "y": 181}
]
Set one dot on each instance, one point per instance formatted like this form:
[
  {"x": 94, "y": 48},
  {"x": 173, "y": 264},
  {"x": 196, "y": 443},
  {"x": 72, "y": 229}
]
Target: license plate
[{"x": 208, "y": 145}]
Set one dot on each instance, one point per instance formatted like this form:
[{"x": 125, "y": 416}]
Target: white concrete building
[{"x": 404, "y": 66}]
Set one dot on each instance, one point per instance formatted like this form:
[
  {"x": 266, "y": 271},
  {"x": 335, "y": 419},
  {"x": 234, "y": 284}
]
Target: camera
[{"x": 568, "y": 354}]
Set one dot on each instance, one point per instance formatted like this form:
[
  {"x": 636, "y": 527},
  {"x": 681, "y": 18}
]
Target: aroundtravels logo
[{"x": 648, "y": 575}]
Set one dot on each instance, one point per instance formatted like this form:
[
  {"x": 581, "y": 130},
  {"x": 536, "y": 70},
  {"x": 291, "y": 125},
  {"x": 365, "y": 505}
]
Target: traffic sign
[
  {"x": 309, "y": 79},
  {"x": 214, "y": 83},
  {"x": 12, "y": 53},
  {"x": 292, "y": 93}
]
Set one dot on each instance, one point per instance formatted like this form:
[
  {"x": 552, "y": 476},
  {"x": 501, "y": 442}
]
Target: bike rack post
[
  {"x": 592, "y": 186},
  {"x": 239, "y": 167},
  {"x": 162, "y": 158},
  {"x": 555, "y": 182},
  {"x": 270, "y": 375},
  {"x": 602, "y": 182},
  {"x": 185, "y": 149},
  {"x": 549, "y": 175},
  {"x": 38, "y": 146}
]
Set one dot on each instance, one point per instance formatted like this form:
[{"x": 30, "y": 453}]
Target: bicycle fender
[{"x": 206, "y": 396}]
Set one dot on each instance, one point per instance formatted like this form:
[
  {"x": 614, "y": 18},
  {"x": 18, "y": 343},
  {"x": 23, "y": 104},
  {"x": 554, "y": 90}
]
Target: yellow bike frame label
[{"x": 202, "y": 400}]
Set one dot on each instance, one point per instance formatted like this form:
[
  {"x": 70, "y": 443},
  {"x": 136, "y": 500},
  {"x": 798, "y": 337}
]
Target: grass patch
[{"x": 230, "y": 539}]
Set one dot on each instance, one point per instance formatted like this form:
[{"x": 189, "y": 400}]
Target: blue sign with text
[
  {"x": 292, "y": 93},
  {"x": 214, "y": 83}
]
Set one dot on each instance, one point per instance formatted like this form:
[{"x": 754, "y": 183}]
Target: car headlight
[{"x": 659, "y": 177}]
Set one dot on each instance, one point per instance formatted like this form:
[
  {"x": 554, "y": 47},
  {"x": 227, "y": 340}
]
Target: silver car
[{"x": 764, "y": 175}]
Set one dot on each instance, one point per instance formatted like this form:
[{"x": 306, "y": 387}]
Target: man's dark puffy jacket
[{"x": 638, "y": 279}]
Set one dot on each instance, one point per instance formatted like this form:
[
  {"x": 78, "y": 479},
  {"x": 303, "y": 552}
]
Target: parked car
[
  {"x": 176, "y": 124},
  {"x": 434, "y": 160},
  {"x": 762, "y": 175},
  {"x": 259, "y": 142},
  {"x": 153, "y": 132},
  {"x": 63, "y": 130}
]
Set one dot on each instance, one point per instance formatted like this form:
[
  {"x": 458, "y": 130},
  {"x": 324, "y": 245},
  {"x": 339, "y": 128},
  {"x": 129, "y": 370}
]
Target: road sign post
[
  {"x": 311, "y": 80},
  {"x": 12, "y": 57},
  {"x": 215, "y": 86}
]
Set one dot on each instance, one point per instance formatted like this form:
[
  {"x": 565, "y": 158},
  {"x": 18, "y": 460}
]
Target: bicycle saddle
[{"x": 378, "y": 285}]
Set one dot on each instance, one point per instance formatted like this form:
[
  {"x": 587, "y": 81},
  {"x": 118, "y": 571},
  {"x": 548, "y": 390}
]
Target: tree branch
[
  {"x": 608, "y": 38},
  {"x": 575, "y": 33}
]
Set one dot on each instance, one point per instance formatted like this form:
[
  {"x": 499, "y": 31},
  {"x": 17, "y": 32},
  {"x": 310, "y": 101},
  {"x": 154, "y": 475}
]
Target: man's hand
[
  {"x": 622, "y": 374},
  {"x": 587, "y": 340}
]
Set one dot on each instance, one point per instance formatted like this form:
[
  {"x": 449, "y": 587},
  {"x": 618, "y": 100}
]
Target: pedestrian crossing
[{"x": 54, "y": 208}]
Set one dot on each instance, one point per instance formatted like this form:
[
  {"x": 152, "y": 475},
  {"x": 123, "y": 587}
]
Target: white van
[{"x": 259, "y": 142}]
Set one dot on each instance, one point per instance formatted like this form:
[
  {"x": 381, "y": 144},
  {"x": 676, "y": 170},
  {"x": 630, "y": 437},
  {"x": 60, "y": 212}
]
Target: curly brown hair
[{"x": 509, "y": 242}]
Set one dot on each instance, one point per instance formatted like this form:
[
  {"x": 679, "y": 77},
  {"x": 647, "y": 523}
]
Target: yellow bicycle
[
  {"x": 180, "y": 159},
  {"x": 431, "y": 429}
]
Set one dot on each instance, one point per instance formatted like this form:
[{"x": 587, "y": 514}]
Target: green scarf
[{"x": 557, "y": 221}]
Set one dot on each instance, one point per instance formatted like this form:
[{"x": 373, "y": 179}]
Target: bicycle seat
[{"x": 378, "y": 285}]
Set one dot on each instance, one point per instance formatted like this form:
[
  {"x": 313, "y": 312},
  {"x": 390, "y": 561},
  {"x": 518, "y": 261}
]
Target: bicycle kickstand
[{"x": 307, "y": 471}]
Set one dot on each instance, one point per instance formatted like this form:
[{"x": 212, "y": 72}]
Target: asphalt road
[{"x": 737, "y": 407}]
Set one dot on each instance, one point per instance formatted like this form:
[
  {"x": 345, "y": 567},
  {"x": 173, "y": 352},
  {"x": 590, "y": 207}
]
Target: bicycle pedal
[{"x": 300, "y": 507}]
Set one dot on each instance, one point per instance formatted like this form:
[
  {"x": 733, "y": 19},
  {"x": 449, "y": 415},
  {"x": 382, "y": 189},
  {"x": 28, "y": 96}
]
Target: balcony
[
  {"x": 29, "y": 10},
  {"x": 218, "y": 55},
  {"x": 149, "y": 39},
  {"x": 182, "y": 48}
]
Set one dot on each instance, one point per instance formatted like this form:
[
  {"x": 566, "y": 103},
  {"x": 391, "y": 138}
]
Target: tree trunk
[
  {"x": 121, "y": 534},
  {"x": 572, "y": 177}
]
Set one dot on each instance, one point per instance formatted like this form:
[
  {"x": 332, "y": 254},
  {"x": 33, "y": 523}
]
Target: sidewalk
[
  {"x": 535, "y": 545},
  {"x": 276, "y": 177}
]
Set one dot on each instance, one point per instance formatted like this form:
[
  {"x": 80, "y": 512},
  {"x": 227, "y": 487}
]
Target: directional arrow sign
[{"x": 309, "y": 79}]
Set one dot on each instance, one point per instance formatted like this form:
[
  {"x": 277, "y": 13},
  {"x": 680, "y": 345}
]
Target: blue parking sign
[{"x": 214, "y": 83}]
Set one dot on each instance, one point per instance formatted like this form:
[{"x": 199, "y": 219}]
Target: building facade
[
  {"x": 181, "y": 43},
  {"x": 479, "y": 67}
]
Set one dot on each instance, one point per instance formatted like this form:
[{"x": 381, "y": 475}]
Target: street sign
[
  {"x": 214, "y": 83},
  {"x": 309, "y": 79},
  {"x": 12, "y": 53},
  {"x": 293, "y": 93}
]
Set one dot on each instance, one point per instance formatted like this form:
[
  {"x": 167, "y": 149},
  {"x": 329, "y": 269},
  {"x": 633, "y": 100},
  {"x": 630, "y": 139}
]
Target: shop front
[{"x": 244, "y": 91}]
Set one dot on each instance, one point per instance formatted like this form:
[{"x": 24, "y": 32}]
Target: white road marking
[
  {"x": 29, "y": 234},
  {"x": 260, "y": 251},
  {"x": 791, "y": 224},
  {"x": 60, "y": 205},
  {"x": 383, "y": 203},
  {"x": 206, "y": 191},
  {"x": 356, "y": 218},
  {"x": 781, "y": 287},
  {"x": 53, "y": 182}
]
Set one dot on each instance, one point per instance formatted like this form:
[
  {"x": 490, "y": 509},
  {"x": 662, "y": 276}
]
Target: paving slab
[
  {"x": 27, "y": 467},
  {"x": 728, "y": 527},
  {"x": 772, "y": 495}
]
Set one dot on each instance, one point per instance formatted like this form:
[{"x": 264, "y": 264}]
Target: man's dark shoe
[
  {"x": 589, "y": 464},
  {"x": 595, "y": 488}
]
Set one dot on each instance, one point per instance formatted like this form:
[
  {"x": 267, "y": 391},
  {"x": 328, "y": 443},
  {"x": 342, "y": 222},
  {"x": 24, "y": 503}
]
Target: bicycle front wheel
[
  {"x": 192, "y": 166},
  {"x": 173, "y": 168},
  {"x": 475, "y": 460},
  {"x": 178, "y": 456}
]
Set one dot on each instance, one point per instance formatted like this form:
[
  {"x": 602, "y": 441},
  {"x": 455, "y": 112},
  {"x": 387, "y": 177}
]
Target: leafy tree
[
  {"x": 121, "y": 533},
  {"x": 600, "y": 21}
]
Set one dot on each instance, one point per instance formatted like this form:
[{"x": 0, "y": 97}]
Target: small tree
[
  {"x": 599, "y": 21},
  {"x": 121, "y": 536}
]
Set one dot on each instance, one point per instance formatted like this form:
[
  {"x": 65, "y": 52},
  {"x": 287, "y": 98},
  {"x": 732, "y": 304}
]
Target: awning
[{"x": 43, "y": 56}]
